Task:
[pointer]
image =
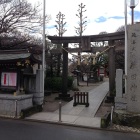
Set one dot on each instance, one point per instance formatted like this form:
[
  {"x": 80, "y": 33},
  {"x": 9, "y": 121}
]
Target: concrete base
[
  {"x": 120, "y": 103},
  {"x": 11, "y": 106},
  {"x": 38, "y": 98}
]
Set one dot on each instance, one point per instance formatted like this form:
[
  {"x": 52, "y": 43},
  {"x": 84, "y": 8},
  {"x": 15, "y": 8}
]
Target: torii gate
[{"x": 86, "y": 47}]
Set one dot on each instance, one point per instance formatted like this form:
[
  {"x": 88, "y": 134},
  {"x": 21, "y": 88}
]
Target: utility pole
[{"x": 43, "y": 48}]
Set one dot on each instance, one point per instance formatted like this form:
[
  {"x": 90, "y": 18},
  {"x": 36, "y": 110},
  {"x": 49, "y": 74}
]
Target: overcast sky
[{"x": 102, "y": 15}]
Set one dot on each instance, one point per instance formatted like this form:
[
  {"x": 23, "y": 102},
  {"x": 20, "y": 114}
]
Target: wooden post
[
  {"x": 111, "y": 68},
  {"x": 84, "y": 97},
  {"x": 87, "y": 102}
]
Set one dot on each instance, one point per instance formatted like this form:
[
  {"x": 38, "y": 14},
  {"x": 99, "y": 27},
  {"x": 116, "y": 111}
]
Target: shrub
[
  {"x": 70, "y": 81},
  {"x": 55, "y": 83},
  {"x": 48, "y": 83}
]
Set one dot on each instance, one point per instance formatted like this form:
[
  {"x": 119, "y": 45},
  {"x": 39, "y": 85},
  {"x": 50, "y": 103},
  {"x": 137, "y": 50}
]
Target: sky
[{"x": 102, "y": 15}]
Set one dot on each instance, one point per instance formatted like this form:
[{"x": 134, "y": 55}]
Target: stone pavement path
[
  {"x": 96, "y": 96},
  {"x": 79, "y": 115},
  {"x": 52, "y": 105}
]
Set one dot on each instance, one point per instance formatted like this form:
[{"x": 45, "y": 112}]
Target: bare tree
[
  {"x": 18, "y": 40},
  {"x": 81, "y": 25},
  {"x": 82, "y": 20},
  {"x": 120, "y": 29},
  {"x": 18, "y": 19},
  {"x": 20, "y": 15},
  {"x": 60, "y": 28},
  {"x": 80, "y": 29},
  {"x": 60, "y": 24}
]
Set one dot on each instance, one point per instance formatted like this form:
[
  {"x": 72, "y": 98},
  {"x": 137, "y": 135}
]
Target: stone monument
[
  {"x": 133, "y": 68},
  {"x": 120, "y": 99}
]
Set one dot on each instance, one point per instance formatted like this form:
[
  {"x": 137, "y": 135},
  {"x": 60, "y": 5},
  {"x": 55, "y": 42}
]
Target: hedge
[{"x": 55, "y": 83}]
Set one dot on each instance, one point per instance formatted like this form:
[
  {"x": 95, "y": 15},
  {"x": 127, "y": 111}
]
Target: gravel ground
[
  {"x": 124, "y": 128},
  {"x": 51, "y": 104}
]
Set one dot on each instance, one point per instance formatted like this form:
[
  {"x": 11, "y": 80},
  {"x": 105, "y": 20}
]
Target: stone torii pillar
[
  {"x": 64, "y": 94},
  {"x": 111, "y": 68}
]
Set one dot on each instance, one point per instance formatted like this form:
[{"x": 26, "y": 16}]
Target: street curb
[
  {"x": 67, "y": 124},
  {"x": 80, "y": 126}
]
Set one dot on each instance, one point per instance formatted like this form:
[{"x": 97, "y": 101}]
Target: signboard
[{"x": 8, "y": 79}]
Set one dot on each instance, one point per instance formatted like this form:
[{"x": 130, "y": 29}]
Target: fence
[{"x": 81, "y": 98}]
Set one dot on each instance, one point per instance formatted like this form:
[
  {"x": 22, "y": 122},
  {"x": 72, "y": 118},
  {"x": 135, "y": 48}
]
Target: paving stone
[
  {"x": 87, "y": 121},
  {"x": 78, "y": 115}
]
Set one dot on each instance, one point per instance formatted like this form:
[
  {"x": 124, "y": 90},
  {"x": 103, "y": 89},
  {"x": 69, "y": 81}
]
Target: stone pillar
[
  {"x": 38, "y": 96},
  {"x": 119, "y": 88},
  {"x": 75, "y": 83},
  {"x": 120, "y": 101},
  {"x": 133, "y": 68},
  {"x": 111, "y": 68},
  {"x": 32, "y": 83},
  {"x": 64, "y": 94},
  {"x": 65, "y": 69}
]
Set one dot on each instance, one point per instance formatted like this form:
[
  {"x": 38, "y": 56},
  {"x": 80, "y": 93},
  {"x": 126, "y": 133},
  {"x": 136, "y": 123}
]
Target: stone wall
[{"x": 11, "y": 106}]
